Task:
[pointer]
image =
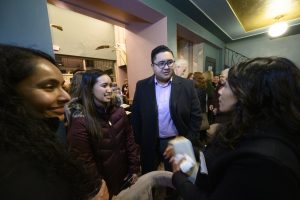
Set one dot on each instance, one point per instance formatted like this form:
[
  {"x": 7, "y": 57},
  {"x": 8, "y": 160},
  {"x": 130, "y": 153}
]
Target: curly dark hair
[
  {"x": 267, "y": 91},
  {"x": 27, "y": 136}
]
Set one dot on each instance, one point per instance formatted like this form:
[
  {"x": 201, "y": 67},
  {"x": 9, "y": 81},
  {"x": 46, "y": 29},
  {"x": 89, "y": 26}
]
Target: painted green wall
[
  {"x": 25, "y": 23},
  {"x": 263, "y": 46},
  {"x": 175, "y": 17},
  {"x": 213, "y": 52}
]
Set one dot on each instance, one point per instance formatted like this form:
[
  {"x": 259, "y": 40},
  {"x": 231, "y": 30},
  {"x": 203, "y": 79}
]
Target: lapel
[
  {"x": 150, "y": 89},
  {"x": 175, "y": 91}
]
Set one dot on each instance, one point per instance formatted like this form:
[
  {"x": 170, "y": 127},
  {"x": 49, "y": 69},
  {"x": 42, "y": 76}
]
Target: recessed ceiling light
[{"x": 278, "y": 29}]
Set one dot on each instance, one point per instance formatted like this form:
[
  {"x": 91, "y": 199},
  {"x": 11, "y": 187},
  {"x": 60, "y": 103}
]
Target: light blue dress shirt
[{"x": 166, "y": 125}]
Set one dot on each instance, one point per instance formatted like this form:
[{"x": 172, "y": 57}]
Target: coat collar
[
  {"x": 175, "y": 89},
  {"x": 175, "y": 79}
]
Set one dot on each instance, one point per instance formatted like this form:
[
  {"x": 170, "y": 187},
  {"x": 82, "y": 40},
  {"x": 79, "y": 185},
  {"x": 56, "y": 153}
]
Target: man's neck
[{"x": 163, "y": 82}]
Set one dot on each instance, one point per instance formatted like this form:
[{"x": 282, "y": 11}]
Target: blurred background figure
[
  {"x": 125, "y": 92},
  {"x": 190, "y": 76},
  {"x": 223, "y": 76},
  {"x": 215, "y": 81},
  {"x": 211, "y": 101},
  {"x": 117, "y": 94},
  {"x": 181, "y": 67},
  {"x": 200, "y": 84},
  {"x": 75, "y": 83}
]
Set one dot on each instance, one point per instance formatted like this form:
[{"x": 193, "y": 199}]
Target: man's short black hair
[{"x": 159, "y": 49}]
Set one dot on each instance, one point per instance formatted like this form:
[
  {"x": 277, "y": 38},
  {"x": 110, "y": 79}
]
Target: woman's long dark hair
[
  {"x": 26, "y": 135},
  {"x": 86, "y": 98},
  {"x": 268, "y": 91}
]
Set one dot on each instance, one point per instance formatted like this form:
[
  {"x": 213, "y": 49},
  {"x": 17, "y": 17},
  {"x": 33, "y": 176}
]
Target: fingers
[
  {"x": 169, "y": 152},
  {"x": 176, "y": 161},
  {"x": 134, "y": 178}
]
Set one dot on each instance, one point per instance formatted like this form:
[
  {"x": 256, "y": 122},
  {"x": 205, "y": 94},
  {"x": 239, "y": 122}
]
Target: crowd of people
[{"x": 82, "y": 145}]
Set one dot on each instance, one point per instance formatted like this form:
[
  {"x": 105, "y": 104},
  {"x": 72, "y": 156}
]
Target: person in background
[
  {"x": 181, "y": 66},
  {"x": 75, "y": 83},
  {"x": 200, "y": 85},
  {"x": 190, "y": 76},
  {"x": 223, "y": 76},
  {"x": 219, "y": 116},
  {"x": 117, "y": 94},
  {"x": 164, "y": 106},
  {"x": 100, "y": 135},
  {"x": 125, "y": 90},
  {"x": 74, "y": 92},
  {"x": 210, "y": 96},
  {"x": 34, "y": 163},
  {"x": 215, "y": 81},
  {"x": 255, "y": 155}
]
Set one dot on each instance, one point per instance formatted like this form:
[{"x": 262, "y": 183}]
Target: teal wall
[
  {"x": 263, "y": 46},
  {"x": 175, "y": 17},
  {"x": 215, "y": 53},
  {"x": 25, "y": 23}
]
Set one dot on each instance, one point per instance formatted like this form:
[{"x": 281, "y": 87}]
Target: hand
[
  {"x": 169, "y": 152},
  {"x": 215, "y": 111},
  {"x": 211, "y": 107},
  {"x": 176, "y": 161},
  {"x": 134, "y": 178},
  {"x": 103, "y": 193}
]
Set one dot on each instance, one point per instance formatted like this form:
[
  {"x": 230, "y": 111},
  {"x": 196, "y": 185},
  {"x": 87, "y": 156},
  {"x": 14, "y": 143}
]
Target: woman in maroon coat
[{"x": 100, "y": 133}]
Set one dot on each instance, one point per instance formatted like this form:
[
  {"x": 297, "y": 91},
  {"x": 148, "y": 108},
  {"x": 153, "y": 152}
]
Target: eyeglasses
[{"x": 162, "y": 64}]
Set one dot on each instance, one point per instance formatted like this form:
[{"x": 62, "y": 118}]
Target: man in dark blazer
[{"x": 164, "y": 106}]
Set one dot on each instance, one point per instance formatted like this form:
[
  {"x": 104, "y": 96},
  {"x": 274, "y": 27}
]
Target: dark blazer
[{"x": 184, "y": 109}]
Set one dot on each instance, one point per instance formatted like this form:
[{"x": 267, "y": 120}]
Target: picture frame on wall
[{"x": 210, "y": 64}]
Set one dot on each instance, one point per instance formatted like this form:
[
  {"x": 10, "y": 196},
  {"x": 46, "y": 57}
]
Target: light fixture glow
[
  {"x": 278, "y": 7},
  {"x": 278, "y": 29}
]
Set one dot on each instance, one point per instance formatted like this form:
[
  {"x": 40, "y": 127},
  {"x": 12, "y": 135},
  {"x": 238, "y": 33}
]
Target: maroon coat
[{"x": 115, "y": 155}]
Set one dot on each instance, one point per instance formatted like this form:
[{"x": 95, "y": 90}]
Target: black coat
[
  {"x": 201, "y": 93},
  {"x": 184, "y": 109},
  {"x": 248, "y": 173},
  {"x": 24, "y": 178}
]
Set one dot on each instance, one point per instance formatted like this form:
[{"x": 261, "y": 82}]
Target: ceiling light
[
  {"x": 278, "y": 7},
  {"x": 278, "y": 29}
]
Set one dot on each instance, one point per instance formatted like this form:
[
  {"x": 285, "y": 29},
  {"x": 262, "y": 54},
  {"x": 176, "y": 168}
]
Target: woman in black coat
[
  {"x": 256, "y": 155},
  {"x": 34, "y": 164}
]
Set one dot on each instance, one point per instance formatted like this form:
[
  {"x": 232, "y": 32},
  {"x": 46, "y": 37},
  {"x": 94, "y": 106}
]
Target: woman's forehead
[{"x": 104, "y": 79}]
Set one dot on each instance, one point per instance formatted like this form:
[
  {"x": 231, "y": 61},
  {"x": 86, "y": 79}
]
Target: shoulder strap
[{"x": 276, "y": 150}]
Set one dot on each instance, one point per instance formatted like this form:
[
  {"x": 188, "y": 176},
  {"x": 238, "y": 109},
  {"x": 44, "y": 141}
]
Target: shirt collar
[{"x": 163, "y": 85}]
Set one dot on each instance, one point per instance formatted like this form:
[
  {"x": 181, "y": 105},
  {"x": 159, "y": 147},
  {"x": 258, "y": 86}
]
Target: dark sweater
[{"x": 236, "y": 174}]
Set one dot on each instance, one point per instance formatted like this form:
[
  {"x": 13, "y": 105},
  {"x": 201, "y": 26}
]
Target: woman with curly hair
[
  {"x": 255, "y": 155},
  {"x": 34, "y": 164},
  {"x": 100, "y": 134}
]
